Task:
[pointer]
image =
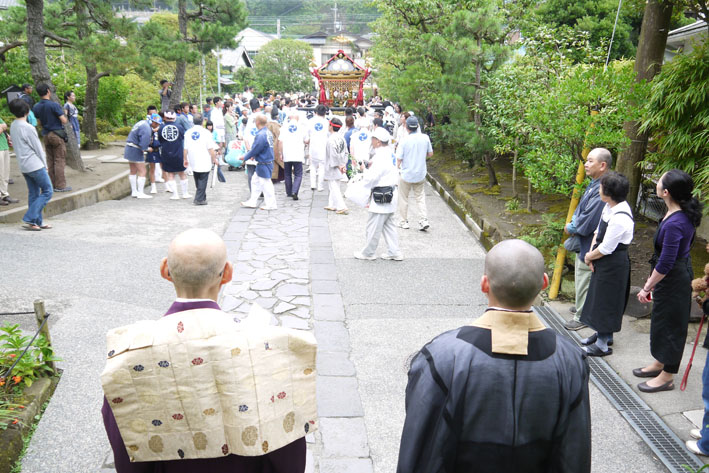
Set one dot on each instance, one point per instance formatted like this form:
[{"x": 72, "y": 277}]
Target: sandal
[
  {"x": 330, "y": 208},
  {"x": 31, "y": 227},
  {"x": 45, "y": 227},
  {"x": 342, "y": 212}
]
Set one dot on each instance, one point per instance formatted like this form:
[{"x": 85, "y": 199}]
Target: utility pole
[
  {"x": 219, "y": 72},
  {"x": 278, "y": 28},
  {"x": 334, "y": 18}
]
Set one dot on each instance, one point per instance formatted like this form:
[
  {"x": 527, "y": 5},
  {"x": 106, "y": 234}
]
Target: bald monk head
[
  {"x": 196, "y": 264},
  {"x": 514, "y": 275}
]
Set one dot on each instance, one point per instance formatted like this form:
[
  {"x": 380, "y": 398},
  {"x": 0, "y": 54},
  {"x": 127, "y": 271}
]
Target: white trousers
[
  {"x": 419, "y": 197},
  {"x": 378, "y": 225},
  {"x": 316, "y": 168},
  {"x": 4, "y": 172},
  {"x": 262, "y": 184},
  {"x": 335, "y": 199}
]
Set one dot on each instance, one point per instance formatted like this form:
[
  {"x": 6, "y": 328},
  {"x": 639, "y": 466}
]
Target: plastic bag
[{"x": 357, "y": 192}]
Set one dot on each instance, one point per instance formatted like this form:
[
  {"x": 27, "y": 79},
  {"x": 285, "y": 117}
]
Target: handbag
[
  {"x": 573, "y": 243},
  {"x": 383, "y": 194}
]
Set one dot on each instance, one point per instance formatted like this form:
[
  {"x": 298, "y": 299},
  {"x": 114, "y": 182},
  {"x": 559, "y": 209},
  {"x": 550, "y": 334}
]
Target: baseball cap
[
  {"x": 381, "y": 134},
  {"x": 412, "y": 123}
]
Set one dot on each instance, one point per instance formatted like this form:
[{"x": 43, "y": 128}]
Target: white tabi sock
[
  {"x": 173, "y": 188},
  {"x": 133, "y": 187},
  {"x": 185, "y": 194},
  {"x": 141, "y": 185}
]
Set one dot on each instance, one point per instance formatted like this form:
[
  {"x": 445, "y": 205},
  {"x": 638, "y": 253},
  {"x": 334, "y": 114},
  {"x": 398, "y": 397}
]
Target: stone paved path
[{"x": 284, "y": 262}]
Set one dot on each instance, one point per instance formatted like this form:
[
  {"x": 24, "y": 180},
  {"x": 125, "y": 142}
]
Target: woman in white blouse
[{"x": 610, "y": 264}]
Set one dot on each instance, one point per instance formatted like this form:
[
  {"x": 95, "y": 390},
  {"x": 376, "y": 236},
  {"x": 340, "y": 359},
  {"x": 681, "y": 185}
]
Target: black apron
[
  {"x": 672, "y": 299},
  {"x": 609, "y": 288}
]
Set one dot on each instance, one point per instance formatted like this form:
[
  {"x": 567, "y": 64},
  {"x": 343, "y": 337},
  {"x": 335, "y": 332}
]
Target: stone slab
[
  {"x": 343, "y": 437},
  {"x": 338, "y": 397},
  {"x": 346, "y": 465},
  {"x": 332, "y": 336},
  {"x": 325, "y": 287},
  {"x": 319, "y": 271},
  {"x": 289, "y": 321},
  {"x": 334, "y": 364},
  {"x": 292, "y": 290}
]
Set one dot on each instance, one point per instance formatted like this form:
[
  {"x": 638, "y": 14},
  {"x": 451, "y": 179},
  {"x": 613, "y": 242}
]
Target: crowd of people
[{"x": 279, "y": 138}]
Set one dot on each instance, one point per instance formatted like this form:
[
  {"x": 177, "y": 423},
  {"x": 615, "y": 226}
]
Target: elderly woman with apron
[
  {"x": 610, "y": 265},
  {"x": 670, "y": 281}
]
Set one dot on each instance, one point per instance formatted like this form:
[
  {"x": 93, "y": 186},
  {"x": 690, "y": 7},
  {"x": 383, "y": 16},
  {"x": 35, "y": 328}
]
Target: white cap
[{"x": 381, "y": 134}]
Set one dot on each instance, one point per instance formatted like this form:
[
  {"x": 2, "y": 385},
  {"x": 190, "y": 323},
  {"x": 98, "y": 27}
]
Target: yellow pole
[{"x": 576, "y": 196}]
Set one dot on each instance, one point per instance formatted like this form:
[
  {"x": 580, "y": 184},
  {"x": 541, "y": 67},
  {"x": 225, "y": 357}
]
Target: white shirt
[
  {"x": 250, "y": 130},
  {"x": 292, "y": 137},
  {"x": 198, "y": 142},
  {"x": 363, "y": 122},
  {"x": 360, "y": 143},
  {"x": 620, "y": 228},
  {"x": 318, "y": 133},
  {"x": 382, "y": 173}
]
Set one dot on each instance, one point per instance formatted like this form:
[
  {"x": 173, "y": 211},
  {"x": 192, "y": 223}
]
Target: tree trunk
[
  {"x": 90, "y": 103},
  {"x": 514, "y": 168},
  {"x": 37, "y": 56},
  {"x": 529, "y": 196},
  {"x": 492, "y": 177},
  {"x": 181, "y": 65},
  {"x": 179, "y": 84},
  {"x": 651, "y": 50}
]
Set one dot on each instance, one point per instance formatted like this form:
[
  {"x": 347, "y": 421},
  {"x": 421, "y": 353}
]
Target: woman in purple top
[{"x": 670, "y": 281}]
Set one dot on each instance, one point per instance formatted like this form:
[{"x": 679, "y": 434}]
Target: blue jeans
[
  {"x": 39, "y": 191},
  {"x": 250, "y": 171},
  {"x": 293, "y": 169},
  {"x": 703, "y": 443}
]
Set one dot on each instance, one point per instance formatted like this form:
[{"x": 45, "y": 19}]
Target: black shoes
[
  {"x": 295, "y": 196},
  {"x": 639, "y": 373},
  {"x": 594, "y": 350}
]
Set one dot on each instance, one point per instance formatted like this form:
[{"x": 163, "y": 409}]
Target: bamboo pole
[
  {"x": 39, "y": 314},
  {"x": 575, "y": 197}
]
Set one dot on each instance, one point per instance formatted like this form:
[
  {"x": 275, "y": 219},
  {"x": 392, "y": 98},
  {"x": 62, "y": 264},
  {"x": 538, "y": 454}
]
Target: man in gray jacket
[
  {"x": 583, "y": 224},
  {"x": 33, "y": 165}
]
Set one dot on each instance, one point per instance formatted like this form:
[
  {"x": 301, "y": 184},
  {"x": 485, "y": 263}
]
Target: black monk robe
[{"x": 469, "y": 409}]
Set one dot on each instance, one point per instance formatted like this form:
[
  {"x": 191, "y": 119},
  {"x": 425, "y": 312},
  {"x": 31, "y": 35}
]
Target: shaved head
[
  {"x": 515, "y": 272},
  {"x": 196, "y": 259},
  {"x": 260, "y": 121}
]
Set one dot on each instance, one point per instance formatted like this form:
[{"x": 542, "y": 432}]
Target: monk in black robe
[{"x": 503, "y": 394}]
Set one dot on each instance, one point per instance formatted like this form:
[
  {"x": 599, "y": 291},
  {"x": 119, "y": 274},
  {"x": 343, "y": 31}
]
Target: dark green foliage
[
  {"x": 677, "y": 115},
  {"x": 282, "y": 65}
]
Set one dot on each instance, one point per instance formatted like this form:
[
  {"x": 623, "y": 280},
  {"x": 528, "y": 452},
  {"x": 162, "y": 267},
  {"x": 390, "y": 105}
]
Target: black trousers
[{"x": 201, "y": 179}]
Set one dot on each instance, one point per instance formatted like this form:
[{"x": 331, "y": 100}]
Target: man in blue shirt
[
  {"x": 262, "y": 152},
  {"x": 411, "y": 158},
  {"x": 52, "y": 117}
]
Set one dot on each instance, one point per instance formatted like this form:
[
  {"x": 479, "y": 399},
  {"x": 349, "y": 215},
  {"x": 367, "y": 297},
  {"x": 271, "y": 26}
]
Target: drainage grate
[{"x": 651, "y": 428}]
